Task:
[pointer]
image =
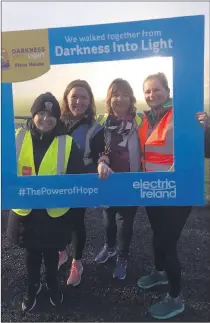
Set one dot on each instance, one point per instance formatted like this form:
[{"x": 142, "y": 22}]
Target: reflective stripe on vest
[
  {"x": 102, "y": 118},
  {"x": 138, "y": 120},
  {"x": 87, "y": 160},
  {"x": 54, "y": 162},
  {"x": 158, "y": 146},
  {"x": 82, "y": 136}
]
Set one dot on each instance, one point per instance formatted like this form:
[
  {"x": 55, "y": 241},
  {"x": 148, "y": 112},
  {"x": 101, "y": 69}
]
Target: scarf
[{"x": 120, "y": 128}]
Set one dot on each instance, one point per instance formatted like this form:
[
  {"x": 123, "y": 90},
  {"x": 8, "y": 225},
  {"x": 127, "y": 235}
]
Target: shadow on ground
[{"x": 100, "y": 298}]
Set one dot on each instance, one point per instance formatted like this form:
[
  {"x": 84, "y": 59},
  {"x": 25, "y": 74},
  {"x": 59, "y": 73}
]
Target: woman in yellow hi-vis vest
[{"x": 43, "y": 150}]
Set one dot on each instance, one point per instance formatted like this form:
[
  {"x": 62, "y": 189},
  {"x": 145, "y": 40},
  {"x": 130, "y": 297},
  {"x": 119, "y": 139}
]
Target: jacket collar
[{"x": 155, "y": 116}]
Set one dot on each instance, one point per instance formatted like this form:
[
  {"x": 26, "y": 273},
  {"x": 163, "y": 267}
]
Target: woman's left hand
[
  {"x": 203, "y": 118},
  {"x": 104, "y": 170}
]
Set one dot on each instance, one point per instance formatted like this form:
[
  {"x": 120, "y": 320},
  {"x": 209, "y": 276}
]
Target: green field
[{"x": 22, "y": 108}]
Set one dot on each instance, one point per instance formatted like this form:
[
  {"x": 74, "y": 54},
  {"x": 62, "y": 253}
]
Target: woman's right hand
[
  {"x": 203, "y": 118},
  {"x": 104, "y": 170}
]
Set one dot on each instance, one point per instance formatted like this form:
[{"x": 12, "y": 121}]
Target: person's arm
[
  {"x": 99, "y": 155},
  {"x": 75, "y": 163},
  {"x": 207, "y": 142},
  {"x": 204, "y": 120},
  {"x": 97, "y": 146}
]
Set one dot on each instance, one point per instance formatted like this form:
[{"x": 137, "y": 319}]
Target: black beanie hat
[{"x": 46, "y": 102}]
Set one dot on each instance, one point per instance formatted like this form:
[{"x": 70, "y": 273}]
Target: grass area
[{"x": 22, "y": 108}]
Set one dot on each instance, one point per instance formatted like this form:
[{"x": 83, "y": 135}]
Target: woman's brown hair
[
  {"x": 161, "y": 78},
  {"x": 65, "y": 111},
  {"x": 120, "y": 84}
]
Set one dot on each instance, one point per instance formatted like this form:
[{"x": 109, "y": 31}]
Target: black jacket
[
  {"x": 38, "y": 229},
  {"x": 207, "y": 143},
  {"x": 97, "y": 144}
]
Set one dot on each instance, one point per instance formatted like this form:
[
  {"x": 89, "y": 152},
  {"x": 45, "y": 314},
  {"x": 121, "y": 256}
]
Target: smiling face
[
  {"x": 78, "y": 101},
  {"x": 44, "y": 121},
  {"x": 120, "y": 103},
  {"x": 155, "y": 93},
  {"x": 120, "y": 99}
]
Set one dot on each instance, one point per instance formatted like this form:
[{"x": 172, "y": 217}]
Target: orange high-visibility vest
[{"x": 157, "y": 144}]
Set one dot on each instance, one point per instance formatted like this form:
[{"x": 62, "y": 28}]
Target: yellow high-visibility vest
[
  {"x": 101, "y": 119},
  {"x": 55, "y": 162}
]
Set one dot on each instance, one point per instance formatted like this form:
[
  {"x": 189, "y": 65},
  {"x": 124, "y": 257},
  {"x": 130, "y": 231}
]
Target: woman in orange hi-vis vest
[{"x": 167, "y": 222}]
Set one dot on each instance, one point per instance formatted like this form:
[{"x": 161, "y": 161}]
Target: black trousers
[
  {"x": 33, "y": 262},
  {"x": 167, "y": 224},
  {"x": 118, "y": 222},
  {"x": 78, "y": 232}
]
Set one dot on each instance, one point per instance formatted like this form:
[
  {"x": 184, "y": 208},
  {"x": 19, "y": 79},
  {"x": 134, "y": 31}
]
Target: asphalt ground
[{"x": 100, "y": 298}]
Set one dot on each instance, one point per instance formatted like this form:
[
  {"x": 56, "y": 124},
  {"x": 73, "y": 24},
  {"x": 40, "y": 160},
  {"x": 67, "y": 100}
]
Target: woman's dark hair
[
  {"x": 65, "y": 111},
  {"x": 124, "y": 86},
  {"x": 161, "y": 78}
]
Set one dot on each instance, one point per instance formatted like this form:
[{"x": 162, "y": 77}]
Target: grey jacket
[{"x": 134, "y": 148}]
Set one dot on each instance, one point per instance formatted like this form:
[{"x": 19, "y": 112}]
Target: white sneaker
[{"x": 63, "y": 257}]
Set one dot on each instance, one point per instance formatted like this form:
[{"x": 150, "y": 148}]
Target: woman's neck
[
  {"x": 157, "y": 110},
  {"x": 73, "y": 118},
  {"x": 121, "y": 117}
]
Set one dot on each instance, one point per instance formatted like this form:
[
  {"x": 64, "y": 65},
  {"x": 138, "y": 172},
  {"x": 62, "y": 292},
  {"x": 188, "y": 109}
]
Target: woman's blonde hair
[
  {"x": 124, "y": 86},
  {"x": 161, "y": 78}
]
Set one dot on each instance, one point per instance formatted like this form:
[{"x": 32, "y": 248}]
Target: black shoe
[
  {"x": 29, "y": 301},
  {"x": 120, "y": 269},
  {"x": 56, "y": 297},
  {"x": 38, "y": 288}
]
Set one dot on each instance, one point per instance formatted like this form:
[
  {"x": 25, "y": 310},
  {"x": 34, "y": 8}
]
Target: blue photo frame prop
[{"x": 182, "y": 39}]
